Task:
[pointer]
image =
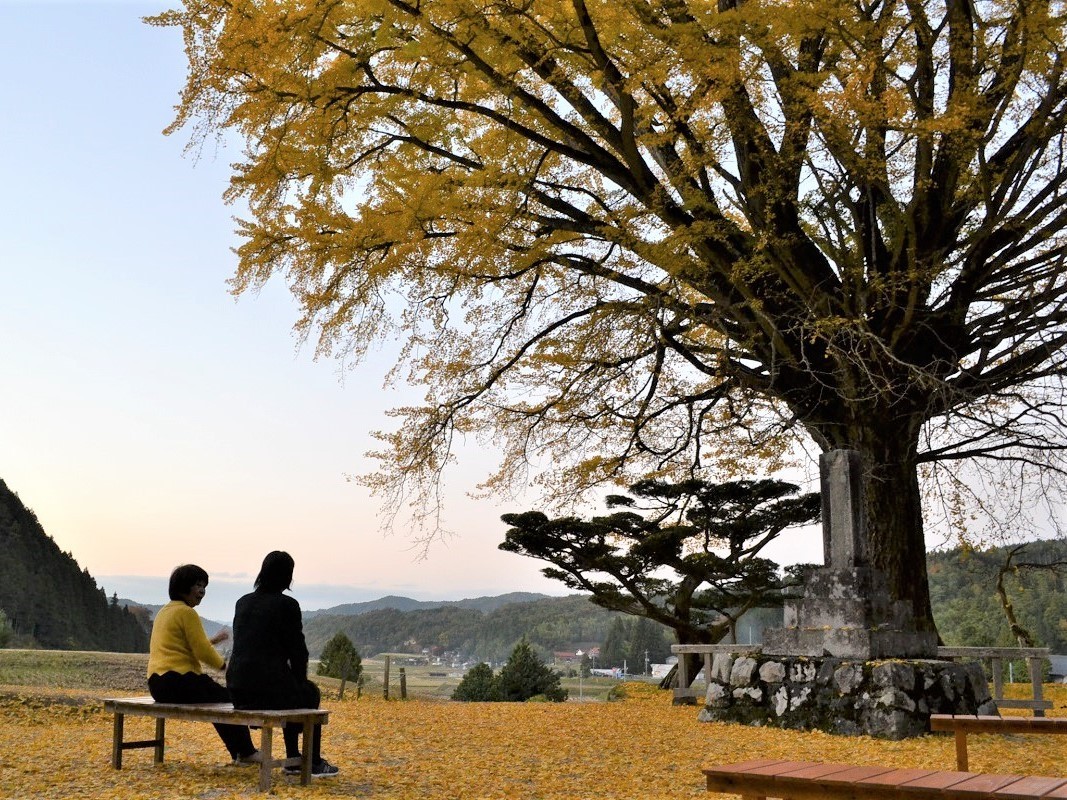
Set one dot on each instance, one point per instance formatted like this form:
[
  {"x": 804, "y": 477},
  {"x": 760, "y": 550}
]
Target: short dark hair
[
  {"x": 184, "y": 578},
  {"x": 276, "y": 574}
]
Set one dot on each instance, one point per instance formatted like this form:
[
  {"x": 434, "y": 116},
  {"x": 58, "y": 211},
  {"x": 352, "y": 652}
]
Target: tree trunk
[
  {"x": 892, "y": 501},
  {"x": 895, "y": 537}
]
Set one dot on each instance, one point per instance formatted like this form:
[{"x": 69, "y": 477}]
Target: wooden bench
[
  {"x": 962, "y": 724},
  {"x": 224, "y": 713},
  {"x": 808, "y": 780}
]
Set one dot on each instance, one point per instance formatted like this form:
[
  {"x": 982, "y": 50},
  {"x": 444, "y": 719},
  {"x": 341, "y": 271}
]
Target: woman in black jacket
[{"x": 268, "y": 665}]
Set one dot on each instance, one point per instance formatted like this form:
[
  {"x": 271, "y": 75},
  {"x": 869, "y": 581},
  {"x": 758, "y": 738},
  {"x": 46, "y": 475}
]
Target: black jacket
[{"x": 270, "y": 657}]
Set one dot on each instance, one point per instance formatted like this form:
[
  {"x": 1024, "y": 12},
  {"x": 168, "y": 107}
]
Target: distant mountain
[
  {"x": 397, "y": 603},
  {"x": 48, "y": 599}
]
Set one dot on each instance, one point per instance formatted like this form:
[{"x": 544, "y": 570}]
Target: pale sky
[{"x": 147, "y": 417}]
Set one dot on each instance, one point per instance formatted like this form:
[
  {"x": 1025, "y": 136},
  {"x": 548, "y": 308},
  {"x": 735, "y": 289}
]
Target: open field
[
  {"x": 121, "y": 672},
  {"x": 55, "y": 743}
]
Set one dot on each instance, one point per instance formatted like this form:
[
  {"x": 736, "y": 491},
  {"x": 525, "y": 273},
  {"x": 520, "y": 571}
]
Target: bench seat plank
[{"x": 1034, "y": 785}]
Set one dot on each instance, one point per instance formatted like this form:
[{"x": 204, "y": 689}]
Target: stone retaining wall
[{"x": 889, "y": 699}]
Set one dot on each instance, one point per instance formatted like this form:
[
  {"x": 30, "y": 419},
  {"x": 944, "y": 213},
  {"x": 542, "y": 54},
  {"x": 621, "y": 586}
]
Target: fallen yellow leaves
[{"x": 642, "y": 747}]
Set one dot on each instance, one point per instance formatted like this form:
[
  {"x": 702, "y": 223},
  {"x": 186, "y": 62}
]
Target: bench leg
[
  {"x": 116, "y": 742},
  {"x": 961, "y": 751},
  {"x": 161, "y": 729},
  {"x": 266, "y": 754},
  {"x": 309, "y": 745}
]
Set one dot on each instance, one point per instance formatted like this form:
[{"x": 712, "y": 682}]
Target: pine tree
[
  {"x": 525, "y": 676},
  {"x": 340, "y": 656}
]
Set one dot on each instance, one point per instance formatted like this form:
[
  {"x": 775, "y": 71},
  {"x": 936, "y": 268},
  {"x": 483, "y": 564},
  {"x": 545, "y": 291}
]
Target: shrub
[{"x": 478, "y": 685}]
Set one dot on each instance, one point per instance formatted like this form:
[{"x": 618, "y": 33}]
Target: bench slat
[{"x": 1031, "y": 786}]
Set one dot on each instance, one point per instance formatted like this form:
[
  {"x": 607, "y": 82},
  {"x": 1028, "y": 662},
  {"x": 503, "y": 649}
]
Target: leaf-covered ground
[{"x": 56, "y": 745}]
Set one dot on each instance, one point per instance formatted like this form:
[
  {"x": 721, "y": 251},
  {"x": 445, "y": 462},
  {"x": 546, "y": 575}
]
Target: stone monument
[
  {"x": 846, "y": 610},
  {"x": 848, "y": 659}
]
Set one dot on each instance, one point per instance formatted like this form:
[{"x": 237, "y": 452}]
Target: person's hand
[{"x": 221, "y": 636}]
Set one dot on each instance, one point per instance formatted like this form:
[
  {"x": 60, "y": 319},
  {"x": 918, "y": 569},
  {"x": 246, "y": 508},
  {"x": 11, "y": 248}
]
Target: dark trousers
[
  {"x": 189, "y": 687},
  {"x": 304, "y": 696}
]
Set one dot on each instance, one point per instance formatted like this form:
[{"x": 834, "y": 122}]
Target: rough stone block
[
  {"x": 743, "y": 671},
  {"x": 848, "y": 678},
  {"x": 780, "y": 701},
  {"x": 716, "y": 696},
  {"x": 753, "y": 693},
  {"x": 772, "y": 672},
  {"x": 802, "y": 671},
  {"x": 894, "y": 673},
  {"x": 721, "y": 664},
  {"x": 891, "y": 697}
]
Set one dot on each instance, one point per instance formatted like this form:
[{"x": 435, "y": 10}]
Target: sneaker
[
  {"x": 322, "y": 769},
  {"x": 251, "y": 759}
]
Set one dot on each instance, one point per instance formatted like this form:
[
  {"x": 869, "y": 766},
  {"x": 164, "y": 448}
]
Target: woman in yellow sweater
[{"x": 178, "y": 648}]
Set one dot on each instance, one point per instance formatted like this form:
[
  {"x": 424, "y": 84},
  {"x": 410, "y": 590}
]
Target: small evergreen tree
[
  {"x": 478, "y": 685},
  {"x": 337, "y": 652},
  {"x": 525, "y": 676},
  {"x": 584, "y": 666}
]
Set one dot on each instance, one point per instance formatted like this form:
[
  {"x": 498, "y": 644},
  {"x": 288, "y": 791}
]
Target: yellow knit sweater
[{"x": 179, "y": 643}]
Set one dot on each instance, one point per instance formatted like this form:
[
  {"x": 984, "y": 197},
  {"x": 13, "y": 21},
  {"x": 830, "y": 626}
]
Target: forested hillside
[
  {"x": 966, "y": 608},
  {"x": 553, "y": 623},
  {"x": 50, "y": 601},
  {"x": 397, "y": 603}
]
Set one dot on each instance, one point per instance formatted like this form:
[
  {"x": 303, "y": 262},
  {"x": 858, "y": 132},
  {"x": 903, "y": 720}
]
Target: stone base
[
  {"x": 853, "y": 643},
  {"x": 847, "y": 613},
  {"x": 888, "y": 699}
]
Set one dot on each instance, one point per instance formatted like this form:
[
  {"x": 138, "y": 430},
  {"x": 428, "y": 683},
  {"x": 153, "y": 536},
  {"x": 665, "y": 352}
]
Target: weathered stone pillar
[{"x": 844, "y": 530}]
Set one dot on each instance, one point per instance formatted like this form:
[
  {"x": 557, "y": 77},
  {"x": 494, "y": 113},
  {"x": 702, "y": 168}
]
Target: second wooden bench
[
  {"x": 807, "y": 780},
  {"x": 963, "y": 724}
]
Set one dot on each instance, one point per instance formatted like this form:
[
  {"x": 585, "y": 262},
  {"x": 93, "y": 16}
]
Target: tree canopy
[
  {"x": 633, "y": 235},
  {"x": 691, "y": 561}
]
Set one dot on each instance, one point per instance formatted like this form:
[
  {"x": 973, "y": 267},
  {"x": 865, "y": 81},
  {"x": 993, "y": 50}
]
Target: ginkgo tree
[{"x": 633, "y": 236}]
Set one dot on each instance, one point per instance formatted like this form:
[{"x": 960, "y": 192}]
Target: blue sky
[{"x": 148, "y": 417}]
